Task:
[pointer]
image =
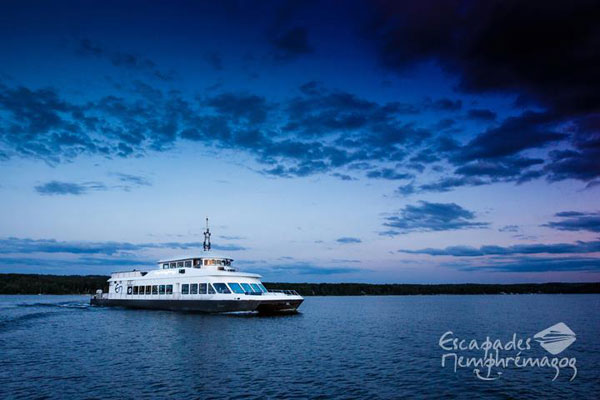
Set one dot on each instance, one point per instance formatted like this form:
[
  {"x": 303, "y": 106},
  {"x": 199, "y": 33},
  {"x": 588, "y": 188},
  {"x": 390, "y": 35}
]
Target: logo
[
  {"x": 489, "y": 358},
  {"x": 555, "y": 339}
]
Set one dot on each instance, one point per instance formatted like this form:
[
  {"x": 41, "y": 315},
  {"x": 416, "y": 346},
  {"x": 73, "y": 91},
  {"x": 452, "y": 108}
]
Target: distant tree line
[
  {"x": 87, "y": 284},
  {"x": 51, "y": 284},
  {"x": 365, "y": 289}
]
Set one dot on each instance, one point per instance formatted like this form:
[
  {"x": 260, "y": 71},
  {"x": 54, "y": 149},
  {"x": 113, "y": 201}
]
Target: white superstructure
[{"x": 205, "y": 282}]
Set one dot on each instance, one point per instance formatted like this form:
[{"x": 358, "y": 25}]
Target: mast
[{"x": 206, "y": 244}]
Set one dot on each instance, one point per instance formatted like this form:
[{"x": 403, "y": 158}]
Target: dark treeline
[
  {"x": 86, "y": 284},
  {"x": 51, "y": 284},
  {"x": 358, "y": 289}
]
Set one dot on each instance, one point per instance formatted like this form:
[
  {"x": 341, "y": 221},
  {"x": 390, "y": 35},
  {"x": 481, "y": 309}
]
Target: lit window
[
  {"x": 188, "y": 264},
  {"x": 169, "y": 289},
  {"x": 194, "y": 288},
  {"x": 205, "y": 262},
  {"x": 135, "y": 290},
  {"x": 202, "y": 288},
  {"x": 161, "y": 289},
  {"x": 211, "y": 289},
  {"x": 185, "y": 289},
  {"x": 154, "y": 289},
  {"x": 247, "y": 288},
  {"x": 235, "y": 287}
]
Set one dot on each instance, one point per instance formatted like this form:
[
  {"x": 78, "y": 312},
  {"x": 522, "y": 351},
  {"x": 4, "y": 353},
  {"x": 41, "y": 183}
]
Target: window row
[
  {"x": 239, "y": 288},
  {"x": 150, "y": 289},
  {"x": 197, "y": 263}
]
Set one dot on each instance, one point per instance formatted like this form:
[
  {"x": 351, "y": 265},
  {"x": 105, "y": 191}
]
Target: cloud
[
  {"x": 347, "y": 240},
  {"x": 304, "y": 268},
  {"x": 291, "y": 43},
  {"x": 543, "y": 54},
  {"x": 509, "y": 228},
  {"x": 122, "y": 59},
  {"x": 388, "y": 173},
  {"x": 135, "y": 180},
  {"x": 481, "y": 114},
  {"x": 214, "y": 59},
  {"x": 538, "y": 265},
  {"x": 578, "y": 247},
  {"x": 27, "y": 246},
  {"x": 431, "y": 217},
  {"x": 58, "y": 188},
  {"x": 576, "y": 221}
]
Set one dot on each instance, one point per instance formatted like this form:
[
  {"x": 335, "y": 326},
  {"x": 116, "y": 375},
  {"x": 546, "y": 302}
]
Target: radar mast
[{"x": 206, "y": 244}]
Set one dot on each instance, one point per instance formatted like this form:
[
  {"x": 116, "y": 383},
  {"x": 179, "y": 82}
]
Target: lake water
[{"x": 337, "y": 347}]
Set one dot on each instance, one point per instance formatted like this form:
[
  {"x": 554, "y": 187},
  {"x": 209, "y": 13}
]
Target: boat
[{"x": 205, "y": 282}]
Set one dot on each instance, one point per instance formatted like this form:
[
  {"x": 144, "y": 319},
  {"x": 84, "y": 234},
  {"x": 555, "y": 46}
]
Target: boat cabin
[{"x": 197, "y": 262}]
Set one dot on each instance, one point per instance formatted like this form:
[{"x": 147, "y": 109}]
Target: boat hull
[{"x": 204, "y": 306}]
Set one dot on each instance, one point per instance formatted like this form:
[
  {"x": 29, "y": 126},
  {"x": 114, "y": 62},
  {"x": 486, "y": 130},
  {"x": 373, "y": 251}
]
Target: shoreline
[{"x": 34, "y": 284}]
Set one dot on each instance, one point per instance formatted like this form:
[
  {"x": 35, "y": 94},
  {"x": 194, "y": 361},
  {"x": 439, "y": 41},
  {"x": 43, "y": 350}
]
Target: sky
[{"x": 329, "y": 141}]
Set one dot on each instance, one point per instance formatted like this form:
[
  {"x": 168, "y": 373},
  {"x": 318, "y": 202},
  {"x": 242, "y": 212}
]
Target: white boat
[{"x": 206, "y": 282}]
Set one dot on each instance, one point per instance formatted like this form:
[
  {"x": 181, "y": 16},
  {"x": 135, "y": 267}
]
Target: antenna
[{"x": 206, "y": 244}]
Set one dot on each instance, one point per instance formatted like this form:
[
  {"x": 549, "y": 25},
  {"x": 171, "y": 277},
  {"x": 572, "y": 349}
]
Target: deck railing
[{"x": 288, "y": 292}]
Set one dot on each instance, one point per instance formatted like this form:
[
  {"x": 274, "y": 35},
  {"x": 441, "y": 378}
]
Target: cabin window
[
  {"x": 169, "y": 289},
  {"x": 235, "y": 287},
  {"x": 148, "y": 289},
  {"x": 173, "y": 265},
  {"x": 211, "y": 289},
  {"x": 194, "y": 288},
  {"x": 188, "y": 264},
  {"x": 205, "y": 262},
  {"x": 141, "y": 290},
  {"x": 135, "y": 290},
  {"x": 264, "y": 289},
  {"x": 202, "y": 288},
  {"x": 154, "y": 289},
  {"x": 227, "y": 263},
  {"x": 129, "y": 289},
  {"x": 161, "y": 289},
  {"x": 255, "y": 288},
  {"x": 185, "y": 288},
  {"x": 221, "y": 288},
  {"x": 180, "y": 264},
  {"x": 196, "y": 263},
  {"x": 166, "y": 265},
  {"x": 247, "y": 288}
]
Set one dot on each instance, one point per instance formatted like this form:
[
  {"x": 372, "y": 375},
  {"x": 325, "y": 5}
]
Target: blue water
[{"x": 337, "y": 347}]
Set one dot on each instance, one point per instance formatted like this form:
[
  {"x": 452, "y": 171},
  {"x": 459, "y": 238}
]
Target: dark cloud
[
  {"x": 347, "y": 240},
  {"x": 543, "y": 53},
  {"x": 538, "y": 264},
  {"x": 556, "y": 248},
  {"x": 442, "y": 104},
  {"x": 509, "y": 228},
  {"x": 135, "y": 180},
  {"x": 343, "y": 177},
  {"x": 431, "y": 217},
  {"x": 576, "y": 221},
  {"x": 304, "y": 268},
  {"x": 388, "y": 173},
  {"x": 26, "y": 246},
  {"x": 291, "y": 43},
  {"x": 481, "y": 114},
  {"x": 122, "y": 59},
  {"x": 53, "y": 188},
  {"x": 214, "y": 59}
]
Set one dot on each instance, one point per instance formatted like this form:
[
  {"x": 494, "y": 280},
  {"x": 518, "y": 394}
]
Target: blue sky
[{"x": 369, "y": 142}]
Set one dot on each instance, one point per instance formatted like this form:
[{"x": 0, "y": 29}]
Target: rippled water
[{"x": 337, "y": 347}]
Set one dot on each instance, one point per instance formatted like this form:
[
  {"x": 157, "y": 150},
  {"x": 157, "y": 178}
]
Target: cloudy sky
[{"x": 449, "y": 141}]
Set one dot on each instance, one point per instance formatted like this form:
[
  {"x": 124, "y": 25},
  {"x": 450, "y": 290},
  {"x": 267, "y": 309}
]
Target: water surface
[{"x": 337, "y": 347}]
